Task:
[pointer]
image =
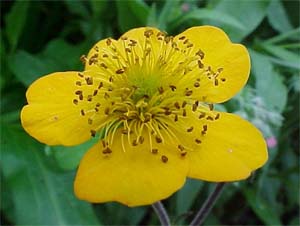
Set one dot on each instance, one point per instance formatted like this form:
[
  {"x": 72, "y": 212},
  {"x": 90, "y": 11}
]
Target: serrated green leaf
[
  {"x": 41, "y": 194},
  {"x": 278, "y": 17},
  {"x": 269, "y": 83},
  {"x": 207, "y": 14},
  {"x": 15, "y": 21}
]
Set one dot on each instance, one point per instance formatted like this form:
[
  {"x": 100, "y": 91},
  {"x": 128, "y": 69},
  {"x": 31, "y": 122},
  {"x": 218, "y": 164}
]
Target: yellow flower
[{"x": 152, "y": 95}]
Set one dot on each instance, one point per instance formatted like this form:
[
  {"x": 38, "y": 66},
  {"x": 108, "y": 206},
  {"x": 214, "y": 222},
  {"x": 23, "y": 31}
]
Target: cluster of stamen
[{"x": 144, "y": 91}]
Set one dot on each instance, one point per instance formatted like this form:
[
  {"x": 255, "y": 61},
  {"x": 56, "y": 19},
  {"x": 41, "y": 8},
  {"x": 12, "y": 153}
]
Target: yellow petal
[
  {"x": 134, "y": 177},
  {"x": 51, "y": 116},
  {"x": 230, "y": 150},
  {"x": 219, "y": 54}
]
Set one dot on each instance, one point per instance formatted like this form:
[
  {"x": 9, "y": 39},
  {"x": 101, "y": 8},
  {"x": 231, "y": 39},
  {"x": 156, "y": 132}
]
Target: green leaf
[
  {"x": 28, "y": 68},
  {"x": 186, "y": 196},
  {"x": 77, "y": 8},
  {"x": 131, "y": 14},
  {"x": 202, "y": 14},
  {"x": 278, "y": 17},
  {"x": 152, "y": 17},
  {"x": 15, "y": 21},
  {"x": 281, "y": 53},
  {"x": 261, "y": 208},
  {"x": 68, "y": 158},
  {"x": 269, "y": 83},
  {"x": 41, "y": 194},
  {"x": 165, "y": 14},
  {"x": 249, "y": 13}
]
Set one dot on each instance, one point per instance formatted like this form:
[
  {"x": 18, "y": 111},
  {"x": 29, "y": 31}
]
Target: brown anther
[
  {"x": 103, "y": 65},
  {"x": 154, "y": 151},
  {"x": 168, "y": 112},
  {"x": 93, "y": 133},
  {"x": 184, "y": 103},
  {"x": 197, "y": 103},
  {"x": 220, "y": 69},
  {"x": 186, "y": 41},
  {"x": 217, "y": 116},
  {"x": 78, "y": 92},
  {"x": 83, "y": 59},
  {"x": 180, "y": 147},
  {"x": 111, "y": 79},
  {"x": 75, "y": 101},
  {"x": 103, "y": 143},
  {"x": 89, "y": 80},
  {"x": 96, "y": 109},
  {"x": 80, "y": 75},
  {"x": 198, "y": 141},
  {"x": 176, "y": 118},
  {"x": 96, "y": 48},
  {"x": 100, "y": 85},
  {"x": 108, "y": 41},
  {"x": 104, "y": 55},
  {"x": 204, "y": 127},
  {"x": 190, "y": 129},
  {"x": 134, "y": 143},
  {"x": 106, "y": 95},
  {"x": 78, "y": 83},
  {"x": 164, "y": 159},
  {"x": 202, "y": 115},
  {"x": 210, "y": 118},
  {"x": 200, "y": 64},
  {"x": 184, "y": 113},
  {"x": 172, "y": 87},
  {"x": 188, "y": 92},
  {"x": 148, "y": 33},
  {"x": 95, "y": 92},
  {"x": 141, "y": 139},
  {"x": 189, "y": 45},
  {"x": 216, "y": 82},
  {"x": 211, "y": 107},
  {"x": 106, "y": 111},
  {"x": 177, "y": 105},
  {"x": 147, "y": 118},
  {"x": 98, "y": 105},
  {"x": 107, "y": 151},
  {"x": 223, "y": 79},
  {"x": 158, "y": 139},
  {"x": 133, "y": 41},
  {"x": 90, "y": 121},
  {"x": 160, "y": 90},
  {"x": 80, "y": 96},
  {"x": 181, "y": 38},
  {"x": 183, "y": 154},
  {"x": 123, "y": 117},
  {"x": 89, "y": 98},
  {"x": 120, "y": 71},
  {"x": 200, "y": 53},
  {"x": 82, "y": 112},
  {"x": 124, "y": 131},
  {"x": 194, "y": 108},
  {"x": 128, "y": 50},
  {"x": 196, "y": 84}
]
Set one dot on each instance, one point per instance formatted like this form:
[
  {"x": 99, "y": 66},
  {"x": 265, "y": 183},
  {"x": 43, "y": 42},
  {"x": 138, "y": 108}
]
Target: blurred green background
[{"x": 40, "y": 37}]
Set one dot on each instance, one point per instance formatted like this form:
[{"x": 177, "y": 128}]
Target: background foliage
[{"x": 40, "y": 37}]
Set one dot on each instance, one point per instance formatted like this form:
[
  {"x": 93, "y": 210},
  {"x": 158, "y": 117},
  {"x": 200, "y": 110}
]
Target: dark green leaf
[
  {"x": 78, "y": 8},
  {"x": 249, "y": 13},
  {"x": 269, "y": 83},
  {"x": 15, "y": 22},
  {"x": 278, "y": 17},
  {"x": 262, "y": 208},
  {"x": 213, "y": 15},
  {"x": 186, "y": 196},
  {"x": 41, "y": 194},
  {"x": 136, "y": 14}
]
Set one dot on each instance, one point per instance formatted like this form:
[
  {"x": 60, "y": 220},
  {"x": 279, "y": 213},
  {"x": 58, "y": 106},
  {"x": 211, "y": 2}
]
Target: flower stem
[
  {"x": 161, "y": 213},
  {"x": 207, "y": 206}
]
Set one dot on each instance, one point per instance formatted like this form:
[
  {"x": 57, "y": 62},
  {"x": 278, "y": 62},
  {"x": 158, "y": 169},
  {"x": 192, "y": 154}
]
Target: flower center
[{"x": 143, "y": 88}]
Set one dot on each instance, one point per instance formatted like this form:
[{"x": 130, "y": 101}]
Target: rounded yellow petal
[
  {"x": 231, "y": 149},
  {"x": 54, "y": 112},
  {"x": 133, "y": 177},
  {"x": 226, "y": 65}
]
